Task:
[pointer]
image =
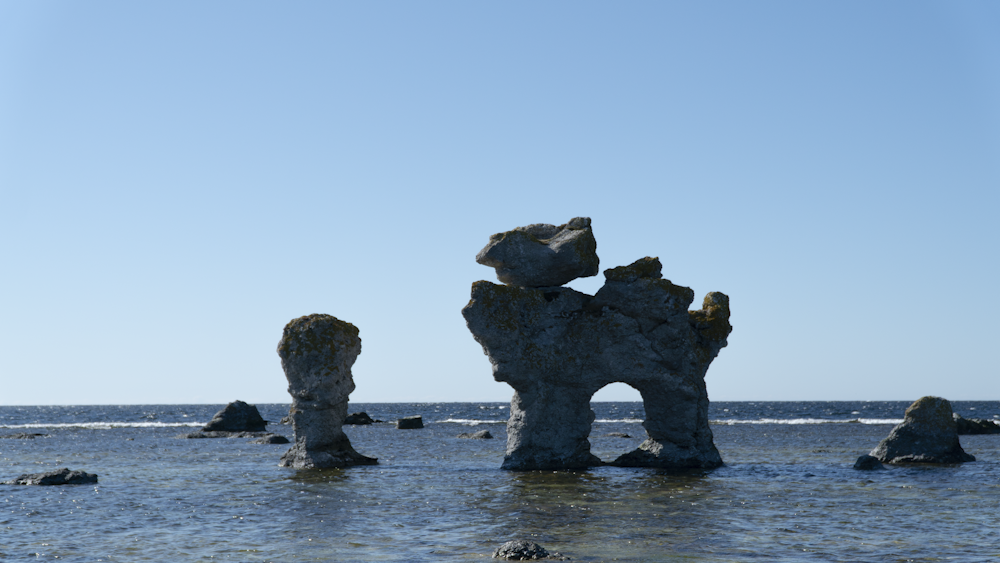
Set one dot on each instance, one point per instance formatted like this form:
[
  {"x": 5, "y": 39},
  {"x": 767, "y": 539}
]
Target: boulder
[
  {"x": 543, "y": 255},
  {"x": 617, "y": 435},
  {"x": 270, "y": 439},
  {"x": 359, "y": 418},
  {"x": 236, "y": 417},
  {"x": 868, "y": 463},
  {"x": 410, "y": 423},
  {"x": 317, "y": 352},
  {"x": 928, "y": 434},
  {"x": 557, "y": 347},
  {"x": 524, "y": 550},
  {"x": 481, "y": 435},
  {"x": 969, "y": 426},
  {"x": 58, "y": 477}
]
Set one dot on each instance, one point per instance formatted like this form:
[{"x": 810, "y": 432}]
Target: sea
[{"x": 788, "y": 491}]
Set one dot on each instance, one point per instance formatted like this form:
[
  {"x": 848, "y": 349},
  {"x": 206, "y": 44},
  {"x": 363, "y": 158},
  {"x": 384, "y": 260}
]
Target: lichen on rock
[
  {"x": 317, "y": 352},
  {"x": 557, "y": 347}
]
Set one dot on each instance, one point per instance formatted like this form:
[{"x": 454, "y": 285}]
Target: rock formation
[
  {"x": 868, "y": 463},
  {"x": 359, "y": 418},
  {"x": 557, "y": 347},
  {"x": 58, "y": 477},
  {"x": 270, "y": 439},
  {"x": 410, "y": 422},
  {"x": 543, "y": 255},
  {"x": 481, "y": 435},
  {"x": 236, "y": 417},
  {"x": 971, "y": 426},
  {"x": 317, "y": 352},
  {"x": 928, "y": 434}
]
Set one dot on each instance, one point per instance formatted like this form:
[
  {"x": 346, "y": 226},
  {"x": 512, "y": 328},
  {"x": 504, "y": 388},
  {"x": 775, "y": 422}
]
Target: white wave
[
  {"x": 812, "y": 421},
  {"x": 471, "y": 421},
  {"x": 104, "y": 425},
  {"x": 626, "y": 420}
]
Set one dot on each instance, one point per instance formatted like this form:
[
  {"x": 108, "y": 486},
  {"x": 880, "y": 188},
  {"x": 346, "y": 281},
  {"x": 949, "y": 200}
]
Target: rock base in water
[
  {"x": 270, "y": 439},
  {"x": 928, "y": 434},
  {"x": 58, "y": 477},
  {"x": 203, "y": 435}
]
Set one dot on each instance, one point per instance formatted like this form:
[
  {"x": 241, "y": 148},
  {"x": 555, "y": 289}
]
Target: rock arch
[{"x": 557, "y": 347}]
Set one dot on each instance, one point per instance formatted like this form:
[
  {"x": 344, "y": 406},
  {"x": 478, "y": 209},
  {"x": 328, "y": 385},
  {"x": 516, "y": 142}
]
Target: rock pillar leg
[
  {"x": 549, "y": 429},
  {"x": 317, "y": 352}
]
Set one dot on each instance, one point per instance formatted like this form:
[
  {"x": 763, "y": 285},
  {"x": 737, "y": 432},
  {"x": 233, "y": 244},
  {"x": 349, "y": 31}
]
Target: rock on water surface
[
  {"x": 543, "y": 255},
  {"x": 524, "y": 550},
  {"x": 236, "y": 417},
  {"x": 317, "y": 352},
  {"x": 58, "y": 477},
  {"x": 972, "y": 426},
  {"x": 557, "y": 347},
  {"x": 928, "y": 434},
  {"x": 410, "y": 422}
]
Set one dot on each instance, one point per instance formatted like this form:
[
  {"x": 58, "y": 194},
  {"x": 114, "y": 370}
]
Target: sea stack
[
  {"x": 317, "y": 352},
  {"x": 928, "y": 434},
  {"x": 557, "y": 347}
]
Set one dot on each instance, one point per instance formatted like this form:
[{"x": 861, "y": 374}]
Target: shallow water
[{"x": 787, "y": 493}]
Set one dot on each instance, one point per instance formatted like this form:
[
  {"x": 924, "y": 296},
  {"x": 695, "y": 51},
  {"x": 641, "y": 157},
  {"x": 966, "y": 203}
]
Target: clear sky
[{"x": 178, "y": 180}]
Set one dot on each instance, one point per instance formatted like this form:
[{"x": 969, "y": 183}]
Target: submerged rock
[
  {"x": 58, "y": 477},
  {"x": 236, "y": 417},
  {"x": 221, "y": 434},
  {"x": 972, "y": 426},
  {"x": 23, "y": 436},
  {"x": 410, "y": 423},
  {"x": 543, "y": 255},
  {"x": 928, "y": 434},
  {"x": 317, "y": 352},
  {"x": 524, "y": 550},
  {"x": 270, "y": 439},
  {"x": 481, "y": 435},
  {"x": 360, "y": 418},
  {"x": 557, "y": 347},
  {"x": 868, "y": 463}
]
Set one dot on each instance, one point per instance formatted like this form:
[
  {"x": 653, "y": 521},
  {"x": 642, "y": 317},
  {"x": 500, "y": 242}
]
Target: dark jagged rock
[
  {"x": 972, "y": 426},
  {"x": 360, "y": 418},
  {"x": 410, "y": 423},
  {"x": 617, "y": 435},
  {"x": 481, "y": 435},
  {"x": 23, "y": 436},
  {"x": 524, "y": 550},
  {"x": 317, "y": 352},
  {"x": 928, "y": 434},
  {"x": 557, "y": 347},
  {"x": 220, "y": 434},
  {"x": 543, "y": 255},
  {"x": 868, "y": 463},
  {"x": 236, "y": 417},
  {"x": 270, "y": 439},
  {"x": 58, "y": 477}
]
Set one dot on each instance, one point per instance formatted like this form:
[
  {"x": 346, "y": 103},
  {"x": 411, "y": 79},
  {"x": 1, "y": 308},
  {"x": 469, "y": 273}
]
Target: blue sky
[{"x": 179, "y": 180}]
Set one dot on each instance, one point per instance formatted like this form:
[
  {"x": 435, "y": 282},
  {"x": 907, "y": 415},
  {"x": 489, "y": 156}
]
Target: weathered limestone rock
[
  {"x": 317, "y": 352},
  {"x": 524, "y": 550},
  {"x": 410, "y": 422},
  {"x": 236, "y": 417},
  {"x": 359, "y": 418},
  {"x": 928, "y": 434},
  {"x": 58, "y": 477},
  {"x": 557, "y": 347},
  {"x": 543, "y": 255},
  {"x": 971, "y": 426}
]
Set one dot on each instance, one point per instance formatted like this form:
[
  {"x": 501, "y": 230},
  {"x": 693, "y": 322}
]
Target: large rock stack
[
  {"x": 928, "y": 434},
  {"x": 317, "y": 352},
  {"x": 557, "y": 347}
]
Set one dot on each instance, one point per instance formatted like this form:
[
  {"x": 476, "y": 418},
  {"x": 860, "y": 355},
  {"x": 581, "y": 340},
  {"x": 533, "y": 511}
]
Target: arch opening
[{"x": 617, "y": 429}]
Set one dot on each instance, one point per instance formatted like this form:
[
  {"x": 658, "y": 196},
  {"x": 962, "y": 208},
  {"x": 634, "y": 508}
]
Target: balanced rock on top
[
  {"x": 317, "y": 352},
  {"x": 928, "y": 434},
  {"x": 543, "y": 255}
]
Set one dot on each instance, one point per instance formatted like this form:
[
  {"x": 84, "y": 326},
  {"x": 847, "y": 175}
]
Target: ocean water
[{"x": 787, "y": 493}]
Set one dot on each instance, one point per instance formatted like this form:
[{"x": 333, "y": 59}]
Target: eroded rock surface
[
  {"x": 317, "y": 352},
  {"x": 236, "y": 417},
  {"x": 556, "y": 347},
  {"x": 543, "y": 255},
  {"x": 928, "y": 434},
  {"x": 972, "y": 426},
  {"x": 524, "y": 550}
]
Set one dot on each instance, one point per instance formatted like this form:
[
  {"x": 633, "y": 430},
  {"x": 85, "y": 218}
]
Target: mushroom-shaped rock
[
  {"x": 317, "y": 352},
  {"x": 58, "y": 477},
  {"x": 557, "y": 347},
  {"x": 543, "y": 255},
  {"x": 928, "y": 434},
  {"x": 236, "y": 417}
]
